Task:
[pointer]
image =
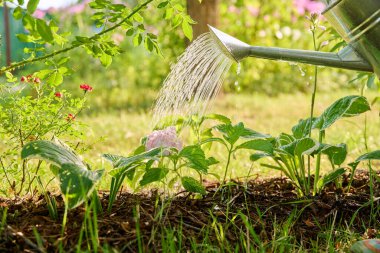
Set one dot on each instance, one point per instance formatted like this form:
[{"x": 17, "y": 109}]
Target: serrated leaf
[
  {"x": 18, "y": 13},
  {"x": 187, "y": 30},
  {"x": 44, "y": 30},
  {"x": 162, "y": 4},
  {"x": 32, "y": 6},
  {"x": 153, "y": 175},
  {"x": 106, "y": 60},
  {"x": 192, "y": 185},
  {"x": 55, "y": 78},
  {"x": 196, "y": 158}
]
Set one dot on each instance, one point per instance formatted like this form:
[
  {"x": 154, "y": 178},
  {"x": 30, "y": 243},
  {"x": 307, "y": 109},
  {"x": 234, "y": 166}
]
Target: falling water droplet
[{"x": 238, "y": 69}]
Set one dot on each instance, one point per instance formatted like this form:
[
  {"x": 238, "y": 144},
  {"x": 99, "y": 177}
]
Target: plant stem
[
  {"x": 318, "y": 165},
  {"x": 29, "y": 61},
  {"x": 230, "y": 150},
  {"x": 312, "y": 115}
]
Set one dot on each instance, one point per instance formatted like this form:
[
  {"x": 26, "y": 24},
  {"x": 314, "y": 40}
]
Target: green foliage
[
  {"x": 292, "y": 153},
  {"x": 76, "y": 180}
]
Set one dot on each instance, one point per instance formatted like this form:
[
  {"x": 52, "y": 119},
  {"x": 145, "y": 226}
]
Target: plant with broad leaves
[
  {"x": 77, "y": 181},
  {"x": 161, "y": 162},
  {"x": 292, "y": 151}
]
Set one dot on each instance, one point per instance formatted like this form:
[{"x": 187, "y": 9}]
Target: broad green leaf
[
  {"x": 187, "y": 30},
  {"x": 196, "y": 157},
  {"x": 258, "y": 144},
  {"x": 44, "y": 30},
  {"x": 285, "y": 139},
  {"x": 332, "y": 176},
  {"x": 153, "y": 175},
  {"x": 305, "y": 146},
  {"x": 192, "y": 185},
  {"x": 374, "y": 155},
  {"x": 345, "y": 107},
  {"x": 52, "y": 152},
  {"x": 302, "y": 129},
  {"x": 32, "y": 6},
  {"x": 121, "y": 164},
  {"x": 336, "y": 153},
  {"x": 77, "y": 183},
  {"x": 258, "y": 156}
]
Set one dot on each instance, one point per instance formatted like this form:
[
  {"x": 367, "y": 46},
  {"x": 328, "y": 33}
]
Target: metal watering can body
[{"x": 357, "y": 21}]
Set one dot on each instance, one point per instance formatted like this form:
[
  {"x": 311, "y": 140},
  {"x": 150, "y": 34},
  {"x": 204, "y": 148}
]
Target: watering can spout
[{"x": 237, "y": 50}]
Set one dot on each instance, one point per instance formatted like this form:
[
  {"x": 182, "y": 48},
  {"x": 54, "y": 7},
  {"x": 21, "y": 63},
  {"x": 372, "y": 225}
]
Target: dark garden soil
[{"x": 275, "y": 198}]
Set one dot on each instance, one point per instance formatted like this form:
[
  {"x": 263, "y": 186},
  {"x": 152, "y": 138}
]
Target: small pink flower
[
  {"x": 166, "y": 138},
  {"x": 24, "y": 79},
  {"x": 310, "y": 6},
  {"x": 58, "y": 94}
]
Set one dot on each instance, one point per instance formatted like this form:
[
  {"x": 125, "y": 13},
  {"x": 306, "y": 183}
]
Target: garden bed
[{"x": 269, "y": 207}]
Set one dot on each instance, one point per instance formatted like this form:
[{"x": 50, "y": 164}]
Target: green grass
[{"x": 122, "y": 130}]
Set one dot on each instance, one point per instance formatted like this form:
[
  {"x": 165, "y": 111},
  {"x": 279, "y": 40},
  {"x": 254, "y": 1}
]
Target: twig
[
  {"x": 25, "y": 62},
  {"x": 26, "y": 240}
]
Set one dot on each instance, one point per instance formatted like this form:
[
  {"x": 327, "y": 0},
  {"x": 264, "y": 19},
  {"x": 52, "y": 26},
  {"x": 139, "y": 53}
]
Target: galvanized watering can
[{"x": 357, "y": 21}]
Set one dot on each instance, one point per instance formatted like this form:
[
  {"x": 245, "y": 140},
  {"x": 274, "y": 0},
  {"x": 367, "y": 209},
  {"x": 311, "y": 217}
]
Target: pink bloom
[
  {"x": 39, "y": 14},
  {"x": 233, "y": 9},
  {"x": 310, "y": 6},
  {"x": 253, "y": 10},
  {"x": 58, "y": 94},
  {"x": 166, "y": 138}
]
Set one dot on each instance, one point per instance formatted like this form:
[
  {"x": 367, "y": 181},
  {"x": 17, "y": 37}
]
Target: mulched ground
[{"x": 275, "y": 198}]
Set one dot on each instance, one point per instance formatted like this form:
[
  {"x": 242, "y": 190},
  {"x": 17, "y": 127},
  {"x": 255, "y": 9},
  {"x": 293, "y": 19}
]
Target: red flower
[
  {"x": 85, "y": 87},
  {"x": 58, "y": 94},
  {"x": 70, "y": 117},
  {"x": 23, "y": 79},
  {"x": 36, "y": 80}
]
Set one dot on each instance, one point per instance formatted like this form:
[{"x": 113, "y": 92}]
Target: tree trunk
[{"x": 203, "y": 13}]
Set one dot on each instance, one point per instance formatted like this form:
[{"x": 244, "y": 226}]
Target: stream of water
[{"x": 193, "y": 81}]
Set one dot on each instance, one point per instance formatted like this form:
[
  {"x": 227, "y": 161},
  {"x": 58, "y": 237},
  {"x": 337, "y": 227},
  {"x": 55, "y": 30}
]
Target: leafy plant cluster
[
  {"x": 38, "y": 106},
  {"x": 297, "y": 155}
]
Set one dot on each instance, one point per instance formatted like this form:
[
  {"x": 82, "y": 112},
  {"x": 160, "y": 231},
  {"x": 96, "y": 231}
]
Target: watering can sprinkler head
[{"x": 357, "y": 23}]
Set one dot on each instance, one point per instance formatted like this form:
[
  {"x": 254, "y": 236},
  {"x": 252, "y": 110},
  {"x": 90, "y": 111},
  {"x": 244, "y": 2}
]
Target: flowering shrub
[{"x": 30, "y": 110}]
